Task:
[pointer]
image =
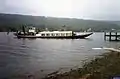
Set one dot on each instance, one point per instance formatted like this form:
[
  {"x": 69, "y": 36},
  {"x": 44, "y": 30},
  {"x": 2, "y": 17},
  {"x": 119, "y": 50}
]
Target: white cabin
[
  {"x": 54, "y": 33},
  {"x": 32, "y": 29}
]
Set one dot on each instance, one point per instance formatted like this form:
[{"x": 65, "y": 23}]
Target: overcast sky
[{"x": 83, "y": 9}]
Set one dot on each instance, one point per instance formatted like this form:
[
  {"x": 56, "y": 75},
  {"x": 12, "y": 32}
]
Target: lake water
[{"x": 39, "y": 57}]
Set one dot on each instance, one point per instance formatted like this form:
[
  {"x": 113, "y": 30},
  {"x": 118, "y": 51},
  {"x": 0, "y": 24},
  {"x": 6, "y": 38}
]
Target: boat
[{"x": 31, "y": 33}]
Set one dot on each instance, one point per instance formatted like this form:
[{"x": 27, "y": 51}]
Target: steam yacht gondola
[{"x": 31, "y": 33}]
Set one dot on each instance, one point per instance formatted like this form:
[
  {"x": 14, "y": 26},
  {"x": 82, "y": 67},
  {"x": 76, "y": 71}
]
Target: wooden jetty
[{"x": 112, "y": 36}]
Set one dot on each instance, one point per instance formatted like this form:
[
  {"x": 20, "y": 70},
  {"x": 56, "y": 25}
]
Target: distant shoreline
[{"x": 13, "y": 22}]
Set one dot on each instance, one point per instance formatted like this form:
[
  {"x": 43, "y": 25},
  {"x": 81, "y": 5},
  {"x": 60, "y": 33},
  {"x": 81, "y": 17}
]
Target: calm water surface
[{"x": 39, "y": 57}]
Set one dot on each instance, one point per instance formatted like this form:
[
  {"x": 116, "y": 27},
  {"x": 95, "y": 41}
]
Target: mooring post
[
  {"x": 116, "y": 36},
  {"x": 104, "y": 35},
  {"x": 110, "y": 37}
]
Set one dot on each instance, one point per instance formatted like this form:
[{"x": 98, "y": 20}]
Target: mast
[{"x": 23, "y": 28}]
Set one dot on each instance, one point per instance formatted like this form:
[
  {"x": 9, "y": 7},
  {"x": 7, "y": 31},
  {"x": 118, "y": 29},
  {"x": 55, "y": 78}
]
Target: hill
[{"x": 14, "y": 22}]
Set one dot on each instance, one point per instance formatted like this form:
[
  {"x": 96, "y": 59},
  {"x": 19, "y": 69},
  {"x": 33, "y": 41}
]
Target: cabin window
[
  {"x": 47, "y": 34},
  {"x": 52, "y": 34},
  {"x": 57, "y": 34},
  {"x": 67, "y": 34},
  {"x": 62, "y": 34},
  {"x": 43, "y": 34}
]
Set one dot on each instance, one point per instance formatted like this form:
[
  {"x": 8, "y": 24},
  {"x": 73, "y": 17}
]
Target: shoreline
[{"x": 103, "y": 67}]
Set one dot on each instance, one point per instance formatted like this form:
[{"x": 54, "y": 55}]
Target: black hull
[{"x": 56, "y": 37}]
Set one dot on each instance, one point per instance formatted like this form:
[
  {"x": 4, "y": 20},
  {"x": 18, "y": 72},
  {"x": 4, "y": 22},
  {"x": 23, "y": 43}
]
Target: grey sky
[{"x": 83, "y": 9}]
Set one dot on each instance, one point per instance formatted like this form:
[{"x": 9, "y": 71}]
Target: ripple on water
[{"x": 23, "y": 57}]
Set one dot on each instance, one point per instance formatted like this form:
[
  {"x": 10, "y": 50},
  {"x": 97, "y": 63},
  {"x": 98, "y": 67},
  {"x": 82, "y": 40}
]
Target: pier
[{"x": 112, "y": 36}]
